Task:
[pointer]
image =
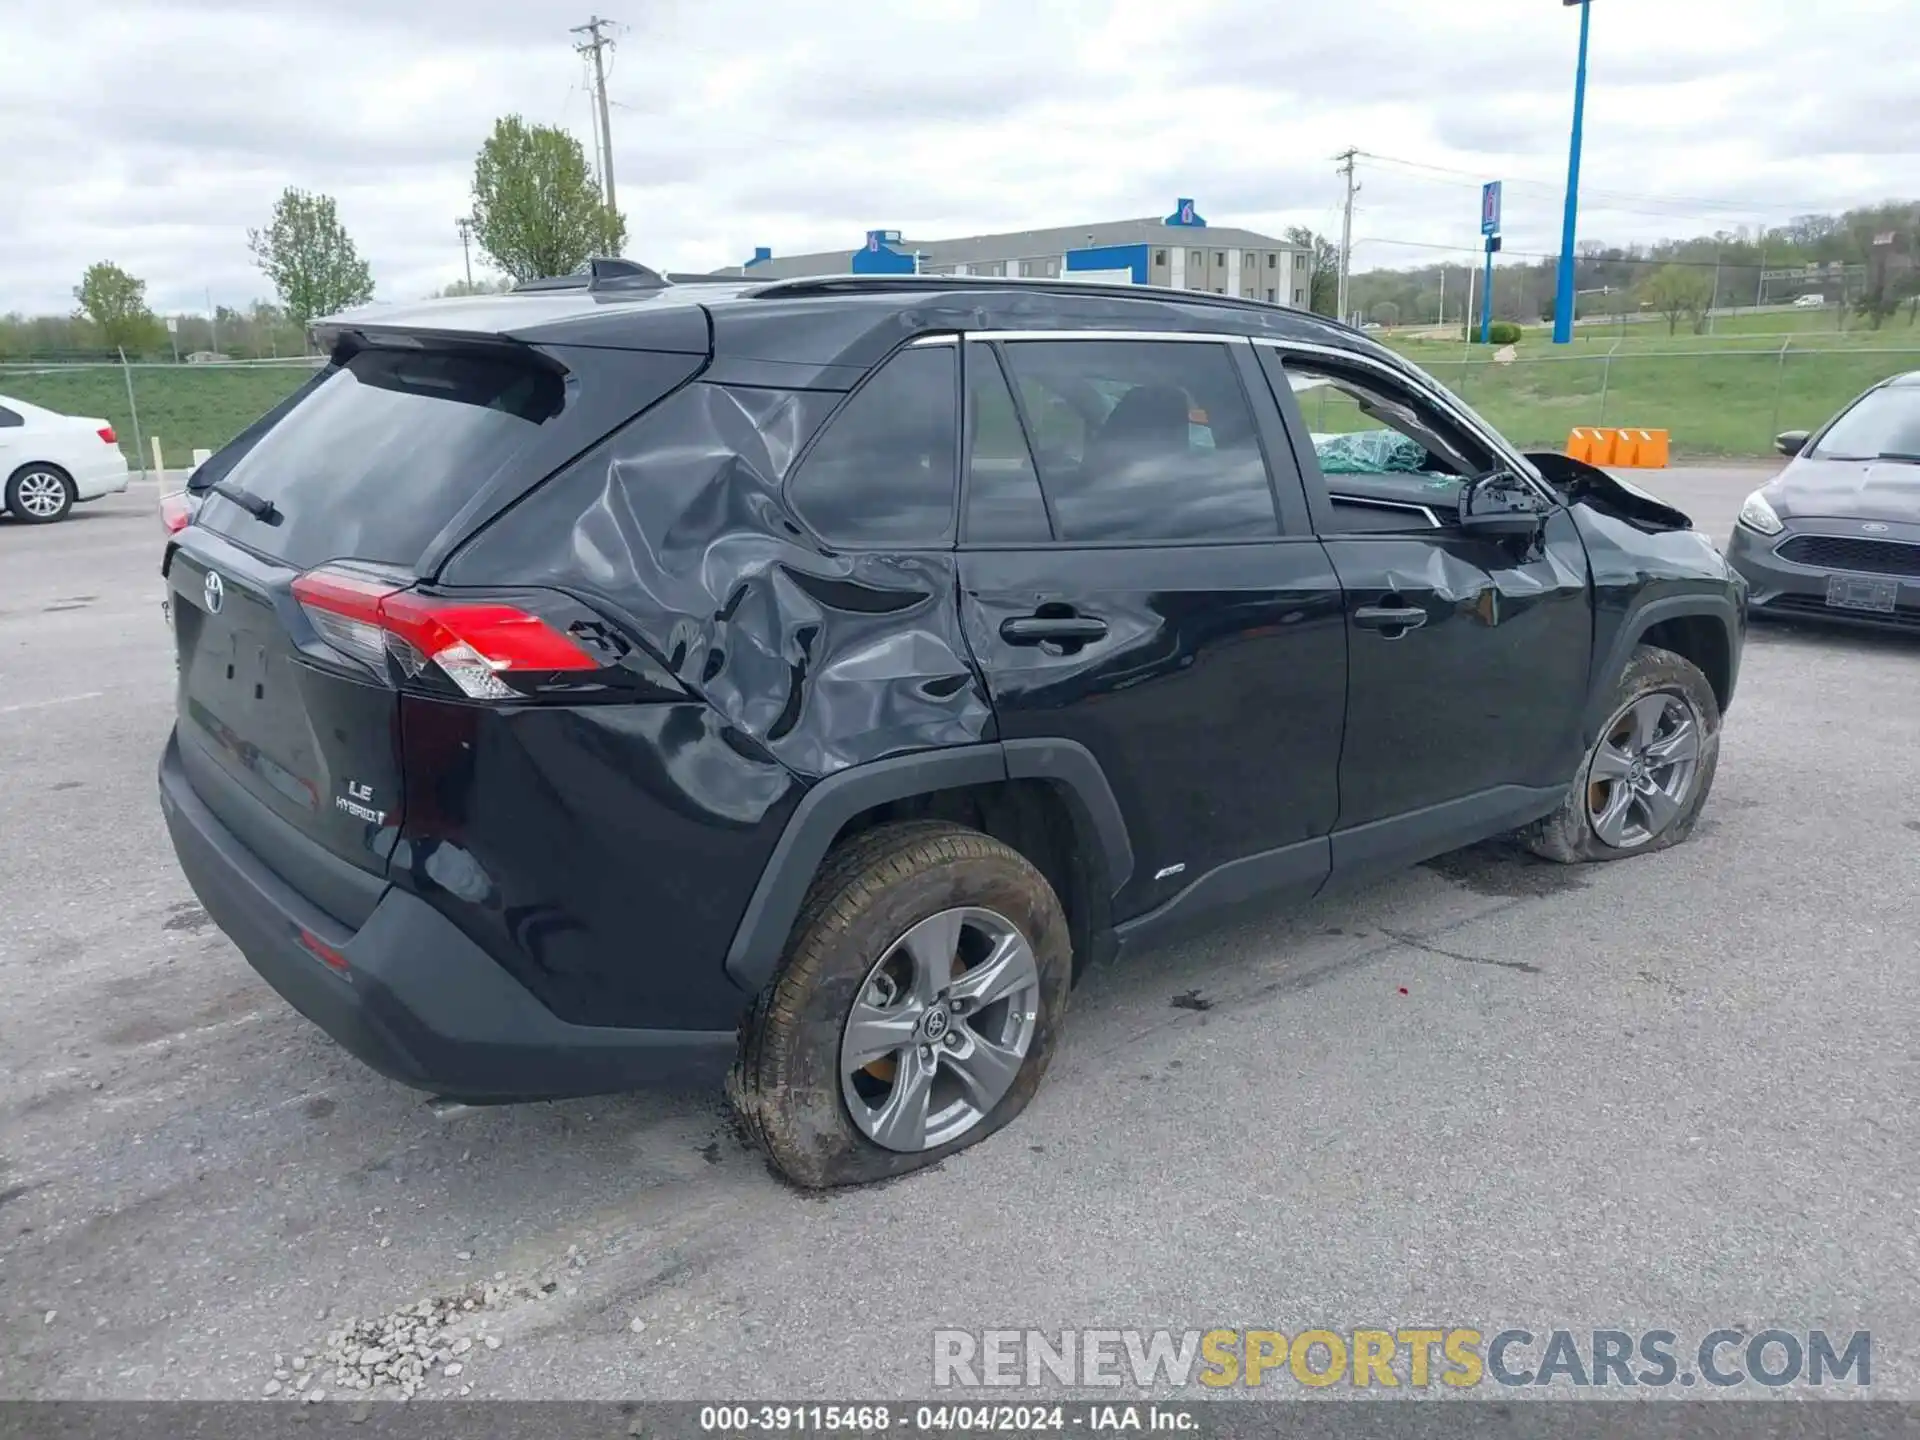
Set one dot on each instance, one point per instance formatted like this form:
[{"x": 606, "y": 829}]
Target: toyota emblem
[
  {"x": 216, "y": 592},
  {"x": 1874, "y": 527}
]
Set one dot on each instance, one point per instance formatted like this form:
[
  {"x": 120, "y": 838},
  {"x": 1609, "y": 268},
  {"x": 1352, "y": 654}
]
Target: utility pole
[
  {"x": 465, "y": 226},
  {"x": 213, "y": 319},
  {"x": 1346, "y": 232},
  {"x": 596, "y": 45}
]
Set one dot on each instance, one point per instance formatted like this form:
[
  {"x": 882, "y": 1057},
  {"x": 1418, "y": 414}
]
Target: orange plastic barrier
[
  {"x": 1595, "y": 446},
  {"x": 1653, "y": 449},
  {"x": 1605, "y": 445}
]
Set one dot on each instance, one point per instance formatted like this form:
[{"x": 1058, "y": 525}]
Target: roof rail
[
  {"x": 601, "y": 273},
  {"x": 880, "y": 284}
]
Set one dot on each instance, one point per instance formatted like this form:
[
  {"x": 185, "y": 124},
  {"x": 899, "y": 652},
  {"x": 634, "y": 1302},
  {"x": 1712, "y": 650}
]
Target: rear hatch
[{"x": 300, "y": 590}]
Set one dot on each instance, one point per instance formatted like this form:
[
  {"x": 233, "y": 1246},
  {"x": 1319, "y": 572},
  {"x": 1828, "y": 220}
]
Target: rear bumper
[
  {"x": 419, "y": 1001},
  {"x": 1780, "y": 589},
  {"x": 105, "y": 476}
]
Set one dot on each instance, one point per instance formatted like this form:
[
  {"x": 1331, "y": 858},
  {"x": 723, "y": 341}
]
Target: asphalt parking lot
[{"x": 1677, "y": 1092}]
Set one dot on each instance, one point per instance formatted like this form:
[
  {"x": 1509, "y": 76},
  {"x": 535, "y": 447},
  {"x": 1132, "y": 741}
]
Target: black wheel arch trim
[
  {"x": 1632, "y": 632},
  {"x": 761, "y": 936},
  {"x": 1072, "y": 765}
]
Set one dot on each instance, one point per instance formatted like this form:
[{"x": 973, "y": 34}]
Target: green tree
[
  {"x": 1324, "y": 296},
  {"x": 476, "y": 287},
  {"x": 1876, "y": 304},
  {"x": 115, "y": 303},
  {"x": 308, "y": 255},
  {"x": 536, "y": 210},
  {"x": 1677, "y": 292},
  {"x": 1889, "y": 273}
]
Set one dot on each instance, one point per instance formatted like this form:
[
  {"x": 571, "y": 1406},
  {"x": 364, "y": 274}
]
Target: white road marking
[
  {"x": 43, "y": 704},
  {"x": 231, "y": 1023}
]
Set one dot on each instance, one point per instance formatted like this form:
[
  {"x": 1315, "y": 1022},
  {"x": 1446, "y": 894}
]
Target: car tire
[
  {"x": 794, "y": 1084},
  {"x": 1596, "y": 821},
  {"x": 39, "y": 494}
]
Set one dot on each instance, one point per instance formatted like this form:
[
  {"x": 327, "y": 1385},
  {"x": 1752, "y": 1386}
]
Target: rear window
[{"x": 383, "y": 451}]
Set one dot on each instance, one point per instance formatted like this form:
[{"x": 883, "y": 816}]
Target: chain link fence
[
  {"x": 184, "y": 407},
  {"x": 1713, "y": 402}
]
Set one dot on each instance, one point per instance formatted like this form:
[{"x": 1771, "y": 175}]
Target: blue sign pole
[
  {"x": 1490, "y": 228},
  {"x": 1486, "y": 298},
  {"x": 1563, "y": 300}
]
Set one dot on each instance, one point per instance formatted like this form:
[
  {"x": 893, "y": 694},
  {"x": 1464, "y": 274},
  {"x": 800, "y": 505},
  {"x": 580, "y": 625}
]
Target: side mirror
[
  {"x": 1496, "y": 507},
  {"x": 1791, "y": 443},
  {"x": 1504, "y": 525}
]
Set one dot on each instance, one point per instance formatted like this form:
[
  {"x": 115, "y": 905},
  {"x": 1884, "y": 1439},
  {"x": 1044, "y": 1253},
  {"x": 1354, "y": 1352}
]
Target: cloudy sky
[{"x": 154, "y": 134}]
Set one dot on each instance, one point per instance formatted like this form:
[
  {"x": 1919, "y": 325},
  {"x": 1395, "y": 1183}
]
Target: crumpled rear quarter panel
[
  {"x": 677, "y": 528},
  {"x": 606, "y": 853}
]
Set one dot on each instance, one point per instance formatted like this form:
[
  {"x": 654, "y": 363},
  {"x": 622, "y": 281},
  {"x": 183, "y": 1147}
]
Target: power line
[
  {"x": 1604, "y": 200},
  {"x": 1599, "y": 201},
  {"x": 1555, "y": 185},
  {"x": 1721, "y": 205}
]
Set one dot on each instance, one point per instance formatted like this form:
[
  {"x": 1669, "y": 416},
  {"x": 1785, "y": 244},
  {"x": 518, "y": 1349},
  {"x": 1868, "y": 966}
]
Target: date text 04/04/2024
[{"x": 945, "y": 1419}]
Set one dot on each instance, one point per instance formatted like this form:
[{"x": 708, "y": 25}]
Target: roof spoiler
[{"x": 601, "y": 273}]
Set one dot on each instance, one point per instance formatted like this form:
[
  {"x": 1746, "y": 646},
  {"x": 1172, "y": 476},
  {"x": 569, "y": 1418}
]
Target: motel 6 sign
[{"x": 1490, "y": 208}]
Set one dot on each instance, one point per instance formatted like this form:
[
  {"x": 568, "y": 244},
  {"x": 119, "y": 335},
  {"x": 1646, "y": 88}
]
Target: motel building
[{"x": 1180, "y": 252}]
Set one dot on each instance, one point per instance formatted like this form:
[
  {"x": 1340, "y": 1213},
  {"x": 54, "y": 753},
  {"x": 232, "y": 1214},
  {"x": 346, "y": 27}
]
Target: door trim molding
[
  {"x": 1362, "y": 852},
  {"x": 1297, "y": 870}
]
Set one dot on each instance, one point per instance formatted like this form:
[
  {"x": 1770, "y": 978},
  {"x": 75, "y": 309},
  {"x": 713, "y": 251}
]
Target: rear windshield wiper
[{"x": 259, "y": 507}]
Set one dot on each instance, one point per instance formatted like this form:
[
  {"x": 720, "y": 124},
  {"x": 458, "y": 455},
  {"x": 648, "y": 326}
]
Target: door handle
[
  {"x": 1390, "y": 618},
  {"x": 1057, "y": 629}
]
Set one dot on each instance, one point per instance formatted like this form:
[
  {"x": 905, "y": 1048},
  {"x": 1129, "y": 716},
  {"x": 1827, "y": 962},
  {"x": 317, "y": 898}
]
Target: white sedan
[{"x": 50, "y": 462}]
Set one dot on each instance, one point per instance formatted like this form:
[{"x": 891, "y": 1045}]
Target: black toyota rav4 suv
[{"x": 625, "y": 681}]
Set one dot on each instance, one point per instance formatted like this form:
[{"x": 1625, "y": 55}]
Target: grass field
[
  {"x": 1729, "y": 403},
  {"x": 187, "y": 406},
  {"x": 1726, "y": 394}
]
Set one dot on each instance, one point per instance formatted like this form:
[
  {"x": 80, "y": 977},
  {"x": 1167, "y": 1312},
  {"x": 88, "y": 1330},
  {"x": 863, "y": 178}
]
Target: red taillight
[
  {"x": 327, "y": 955},
  {"x": 105, "y": 432},
  {"x": 177, "y": 510},
  {"x": 473, "y": 642}
]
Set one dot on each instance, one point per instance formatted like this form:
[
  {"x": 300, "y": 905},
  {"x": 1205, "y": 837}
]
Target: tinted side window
[
  {"x": 1003, "y": 492},
  {"x": 1144, "y": 440},
  {"x": 8, "y": 418},
  {"x": 883, "y": 470}
]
